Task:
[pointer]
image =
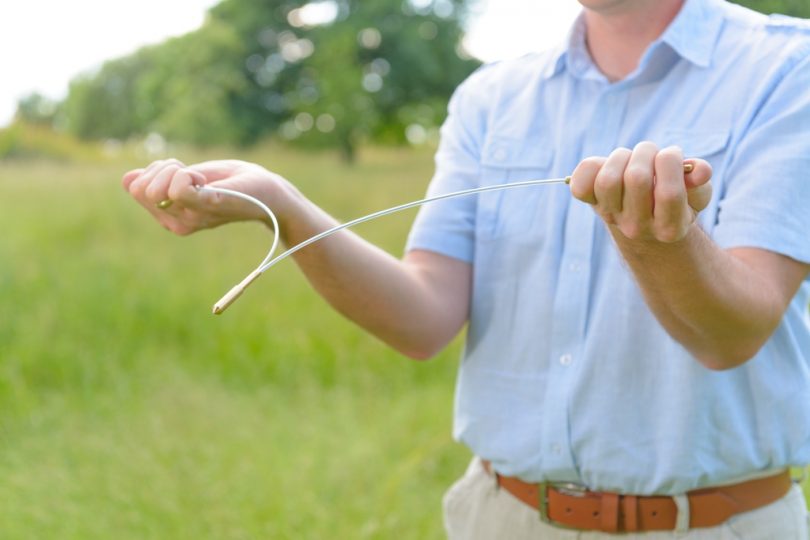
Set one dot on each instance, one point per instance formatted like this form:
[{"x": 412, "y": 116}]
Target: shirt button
[
  {"x": 499, "y": 154},
  {"x": 556, "y": 448},
  {"x": 574, "y": 267},
  {"x": 565, "y": 359}
]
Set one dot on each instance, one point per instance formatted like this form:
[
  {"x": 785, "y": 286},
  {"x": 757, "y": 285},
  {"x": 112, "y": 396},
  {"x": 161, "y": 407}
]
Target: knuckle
[
  {"x": 172, "y": 162},
  {"x": 668, "y": 233},
  {"x": 669, "y": 153},
  {"x": 151, "y": 192},
  {"x": 134, "y": 186},
  {"x": 606, "y": 184},
  {"x": 592, "y": 161},
  {"x": 668, "y": 196},
  {"x": 607, "y": 179},
  {"x": 171, "y": 168},
  {"x": 631, "y": 230},
  {"x": 588, "y": 167},
  {"x": 646, "y": 145},
  {"x": 621, "y": 152},
  {"x": 637, "y": 178}
]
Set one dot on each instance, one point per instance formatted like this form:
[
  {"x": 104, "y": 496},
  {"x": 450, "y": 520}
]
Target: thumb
[{"x": 698, "y": 184}]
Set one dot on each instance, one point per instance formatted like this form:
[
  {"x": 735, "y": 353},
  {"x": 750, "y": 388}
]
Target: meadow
[{"x": 127, "y": 410}]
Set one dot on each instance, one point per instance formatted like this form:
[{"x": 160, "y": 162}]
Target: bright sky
[{"x": 44, "y": 43}]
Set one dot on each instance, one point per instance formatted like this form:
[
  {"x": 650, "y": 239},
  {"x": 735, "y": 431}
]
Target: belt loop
[
  {"x": 682, "y": 519},
  {"x": 610, "y": 512},
  {"x": 487, "y": 466},
  {"x": 630, "y": 513}
]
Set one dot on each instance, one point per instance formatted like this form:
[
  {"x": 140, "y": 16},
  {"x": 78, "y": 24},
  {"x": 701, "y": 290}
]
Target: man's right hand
[{"x": 191, "y": 210}]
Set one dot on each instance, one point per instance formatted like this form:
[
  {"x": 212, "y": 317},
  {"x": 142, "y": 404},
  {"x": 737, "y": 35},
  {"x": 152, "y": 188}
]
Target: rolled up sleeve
[
  {"x": 448, "y": 226},
  {"x": 766, "y": 202}
]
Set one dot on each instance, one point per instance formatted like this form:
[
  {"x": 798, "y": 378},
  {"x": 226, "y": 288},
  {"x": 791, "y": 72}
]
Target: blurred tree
[
  {"x": 794, "y": 8},
  {"x": 182, "y": 89},
  {"x": 339, "y": 70},
  {"x": 36, "y": 109},
  {"x": 191, "y": 86},
  {"x": 105, "y": 104},
  {"x": 328, "y": 72}
]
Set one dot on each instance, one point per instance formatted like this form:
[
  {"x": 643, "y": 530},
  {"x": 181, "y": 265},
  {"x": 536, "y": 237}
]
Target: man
[{"x": 637, "y": 360}]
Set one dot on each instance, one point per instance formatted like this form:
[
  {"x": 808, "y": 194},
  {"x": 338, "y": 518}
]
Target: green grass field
[{"x": 128, "y": 411}]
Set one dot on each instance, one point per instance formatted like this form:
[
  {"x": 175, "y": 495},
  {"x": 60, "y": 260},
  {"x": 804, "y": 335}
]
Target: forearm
[
  {"x": 416, "y": 305},
  {"x": 714, "y": 304},
  {"x": 401, "y": 302}
]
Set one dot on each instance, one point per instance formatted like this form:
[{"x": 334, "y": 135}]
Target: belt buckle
[{"x": 566, "y": 488}]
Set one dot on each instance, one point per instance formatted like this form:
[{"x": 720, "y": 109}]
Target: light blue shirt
[{"x": 566, "y": 373}]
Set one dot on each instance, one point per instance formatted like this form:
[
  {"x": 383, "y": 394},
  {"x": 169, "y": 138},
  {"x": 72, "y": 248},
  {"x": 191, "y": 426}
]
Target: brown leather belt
[{"x": 573, "y": 507}]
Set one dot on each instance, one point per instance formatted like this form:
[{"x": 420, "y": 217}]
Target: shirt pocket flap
[
  {"x": 532, "y": 152},
  {"x": 697, "y": 143}
]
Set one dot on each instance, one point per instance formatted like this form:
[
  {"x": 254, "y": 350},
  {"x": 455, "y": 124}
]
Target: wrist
[
  {"x": 648, "y": 246},
  {"x": 277, "y": 194}
]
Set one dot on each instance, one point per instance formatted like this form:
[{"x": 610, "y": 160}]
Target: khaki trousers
[{"x": 476, "y": 509}]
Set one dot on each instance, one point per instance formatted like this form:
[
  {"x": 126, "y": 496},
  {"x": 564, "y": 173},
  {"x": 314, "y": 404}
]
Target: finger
[
  {"x": 639, "y": 176},
  {"x": 701, "y": 173},
  {"x": 670, "y": 208},
  {"x": 158, "y": 189},
  {"x": 180, "y": 187},
  {"x": 698, "y": 185},
  {"x": 698, "y": 198},
  {"x": 583, "y": 177},
  {"x": 139, "y": 184},
  {"x": 129, "y": 177},
  {"x": 608, "y": 186}
]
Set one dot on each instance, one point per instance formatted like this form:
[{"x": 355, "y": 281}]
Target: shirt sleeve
[
  {"x": 766, "y": 203},
  {"x": 448, "y": 226}
]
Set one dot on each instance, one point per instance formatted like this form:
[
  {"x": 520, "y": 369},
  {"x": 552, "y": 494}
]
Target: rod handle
[
  {"x": 237, "y": 290},
  {"x": 688, "y": 167}
]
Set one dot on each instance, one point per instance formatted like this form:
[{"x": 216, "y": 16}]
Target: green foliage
[
  {"x": 258, "y": 68},
  {"x": 794, "y": 8},
  {"x": 29, "y": 141},
  {"x": 380, "y": 66},
  {"x": 182, "y": 89},
  {"x": 191, "y": 86},
  {"x": 106, "y": 104},
  {"x": 37, "y": 109}
]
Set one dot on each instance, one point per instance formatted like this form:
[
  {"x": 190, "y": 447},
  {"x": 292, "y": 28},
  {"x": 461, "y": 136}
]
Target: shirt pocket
[
  {"x": 709, "y": 145},
  {"x": 512, "y": 212},
  {"x": 712, "y": 146}
]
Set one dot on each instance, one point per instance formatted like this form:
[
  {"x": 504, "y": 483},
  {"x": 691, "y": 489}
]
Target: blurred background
[{"x": 126, "y": 409}]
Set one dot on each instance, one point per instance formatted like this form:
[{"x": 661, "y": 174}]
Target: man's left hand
[{"x": 644, "y": 193}]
